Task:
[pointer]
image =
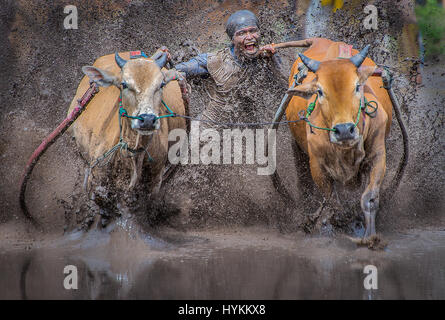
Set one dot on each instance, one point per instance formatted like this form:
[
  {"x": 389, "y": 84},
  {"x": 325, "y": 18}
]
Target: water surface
[{"x": 206, "y": 266}]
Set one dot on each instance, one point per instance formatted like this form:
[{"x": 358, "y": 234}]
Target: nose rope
[
  {"x": 367, "y": 104},
  {"x": 123, "y": 112},
  {"x": 309, "y": 110},
  {"x": 122, "y": 146},
  {"x": 170, "y": 114}
]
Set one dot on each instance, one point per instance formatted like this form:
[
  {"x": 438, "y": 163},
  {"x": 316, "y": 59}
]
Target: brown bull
[
  {"x": 345, "y": 138},
  {"x": 143, "y": 85}
]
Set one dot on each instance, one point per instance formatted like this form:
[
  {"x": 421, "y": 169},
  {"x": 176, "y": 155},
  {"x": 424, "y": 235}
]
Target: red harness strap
[
  {"x": 137, "y": 54},
  {"x": 345, "y": 51}
]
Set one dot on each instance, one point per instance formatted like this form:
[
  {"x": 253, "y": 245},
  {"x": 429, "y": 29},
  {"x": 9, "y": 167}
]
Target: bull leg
[
  {"x": 323, "y": 183},
  {"x": 136, "y": 164},
  {"x": 370, "y": 198},
  {"x": 320, "y": 179},
  {"x": 157, "y": 182}
]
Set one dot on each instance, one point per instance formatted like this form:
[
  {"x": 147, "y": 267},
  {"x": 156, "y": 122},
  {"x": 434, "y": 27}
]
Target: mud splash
[
  {"x": 39, "y": 83},
  {"x": 237, "y": 264}
]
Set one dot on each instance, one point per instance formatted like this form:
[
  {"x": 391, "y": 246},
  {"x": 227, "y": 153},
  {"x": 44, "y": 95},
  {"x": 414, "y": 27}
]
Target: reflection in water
[
  {"x": 411, "y": 268},
  {"x": 23, "y": 273}
]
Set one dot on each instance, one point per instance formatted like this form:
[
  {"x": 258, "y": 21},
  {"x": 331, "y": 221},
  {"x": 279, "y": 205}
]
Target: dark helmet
[{"x": 240, "y": 19}]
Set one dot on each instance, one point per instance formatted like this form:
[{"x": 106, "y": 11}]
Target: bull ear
[
  {"x": 364, "y": 72},
  {"x": 101, "y": 77},
  {"x": 305, "y": 91}
]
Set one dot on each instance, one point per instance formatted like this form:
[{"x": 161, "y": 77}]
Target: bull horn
[
  {"x": 120, "y": 62},
  {"x": 162, "y": 60},
  {"x": 311, "y": 64},
  {"x": 156, "y": 55},
  {"x": 358, "y": 59}
]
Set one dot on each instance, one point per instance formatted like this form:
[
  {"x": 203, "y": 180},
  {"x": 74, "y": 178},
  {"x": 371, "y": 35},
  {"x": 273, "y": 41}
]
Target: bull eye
[
  {"x": 163, "y": 84},
  {"x": 124, "y": 85},
  {"x": 357, "y": 88},
  {"x": 320, "y": 93}
]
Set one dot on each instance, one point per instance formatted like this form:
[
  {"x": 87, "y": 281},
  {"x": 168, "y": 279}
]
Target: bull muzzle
[
  {"x": 146, "y": 123},
  {"x": 345, "y": 133}
]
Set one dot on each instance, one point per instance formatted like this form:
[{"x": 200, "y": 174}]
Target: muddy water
[{"x": 240, "y": 264}]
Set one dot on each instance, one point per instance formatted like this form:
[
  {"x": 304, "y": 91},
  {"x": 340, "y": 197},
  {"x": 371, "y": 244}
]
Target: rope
[
  {"x": 371, "y": 114},
  {"x": 170, "y": 114},
  {"x": 236, "y": 124},
  {"x": 122, "y": 145},
  {"x": 227, "y": 124},
  {"x": 123, "y": 112},
  {"x": 77, "y": 111},
  {"x": 309, "y": 111}
]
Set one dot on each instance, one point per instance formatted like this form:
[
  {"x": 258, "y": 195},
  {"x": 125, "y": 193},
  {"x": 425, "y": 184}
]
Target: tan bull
[
  {"x": 345, "y": 138},
  {"x": 143, "y": 85}
]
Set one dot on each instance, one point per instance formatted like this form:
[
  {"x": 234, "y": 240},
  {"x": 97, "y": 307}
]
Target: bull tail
[
  {"x": 281, "y": 188},
  {"x": 404, "y": 161}
]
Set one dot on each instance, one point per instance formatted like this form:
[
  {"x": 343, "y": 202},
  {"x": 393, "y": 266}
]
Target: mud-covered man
[
  {"x": 244, "y": 84},
  {"x": 233, "y": 95}
]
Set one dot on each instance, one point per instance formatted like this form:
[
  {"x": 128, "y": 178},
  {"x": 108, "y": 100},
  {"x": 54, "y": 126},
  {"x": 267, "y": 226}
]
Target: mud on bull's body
[
  {"x": 142, "y": 84},
  {"x": 347, "y": 139}
]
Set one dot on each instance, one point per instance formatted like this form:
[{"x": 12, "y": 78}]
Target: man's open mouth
[{"x": 250, "y": 47}]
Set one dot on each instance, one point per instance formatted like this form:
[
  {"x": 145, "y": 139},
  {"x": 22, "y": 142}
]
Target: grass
[{"x": 431, "y": 21}]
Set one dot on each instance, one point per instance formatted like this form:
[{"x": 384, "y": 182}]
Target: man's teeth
[{"x": 250, "y": 45}]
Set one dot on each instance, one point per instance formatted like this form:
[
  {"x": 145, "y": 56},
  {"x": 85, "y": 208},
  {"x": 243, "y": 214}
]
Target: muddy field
[{"x": 41, "y": 67}]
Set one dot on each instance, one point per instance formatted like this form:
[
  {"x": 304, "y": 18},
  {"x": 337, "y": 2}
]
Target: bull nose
[
  {"x": 344, "y": 131},
  {"x": 146, "y": 121}
]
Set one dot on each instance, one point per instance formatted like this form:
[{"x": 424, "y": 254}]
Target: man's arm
[
  {"x": 196, "y": 66},
  {"x": 270, "y": 51}
]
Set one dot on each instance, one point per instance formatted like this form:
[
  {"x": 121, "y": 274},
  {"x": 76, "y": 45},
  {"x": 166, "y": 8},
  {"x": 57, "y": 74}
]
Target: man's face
[{"x": 245, "y": 41}]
